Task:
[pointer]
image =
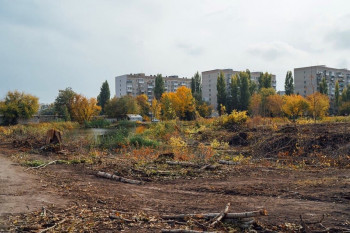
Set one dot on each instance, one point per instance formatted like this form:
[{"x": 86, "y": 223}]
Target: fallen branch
[
  {"x": 52, "y": 227},
  {"x": 220, "y": 216},
  {"x": 42, "y": 165},
  {"x": 184, "y": 231},
  {"x": 213, "y": 215},
  {"x": 184, "y": 164},
  {"x": 118, "y": 178},
  {"x": 227, "y": 162},
  {"x": 209, "y": 167}
]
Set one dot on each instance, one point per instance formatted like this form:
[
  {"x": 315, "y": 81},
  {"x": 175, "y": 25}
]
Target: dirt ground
[
  {"x": 21, "y": 191},
  {"x": 89, "y": 203}
]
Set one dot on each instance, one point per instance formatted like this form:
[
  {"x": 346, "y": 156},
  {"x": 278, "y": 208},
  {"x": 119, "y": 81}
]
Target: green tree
[
  {"x": 244, "y": 90},
  {"x": 252, "y": 87},
  {"x": 18, "y": 105},
  {"x": 159, "y": 87},
  {"x": 63, "y": 103},
  {"x": 196, "y": 86},
  {"x": 323, "y": 86},
  {"x": 104, "y": 96},
  {"x": 337, "y": 96},
  {"x": 221, "y": 89},
  {"x": 119, "y": 107},
  {"x": 288, "y": 84},
  {"x": 265, "y": 80},
  {"x": 344, "y": 96},
  {"x": 234, "y": 88}
]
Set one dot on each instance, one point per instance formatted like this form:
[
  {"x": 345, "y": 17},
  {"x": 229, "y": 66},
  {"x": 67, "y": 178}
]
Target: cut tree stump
[
  {"x": 118, "y": 178},
  {"x": 53, "y": 140}
]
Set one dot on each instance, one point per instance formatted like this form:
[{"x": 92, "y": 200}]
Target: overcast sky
[{"x": 47, "y": 45}]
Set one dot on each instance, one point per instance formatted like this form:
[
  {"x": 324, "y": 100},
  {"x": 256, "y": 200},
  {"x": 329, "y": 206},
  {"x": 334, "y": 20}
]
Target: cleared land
[{"x": 311, "y": 187}]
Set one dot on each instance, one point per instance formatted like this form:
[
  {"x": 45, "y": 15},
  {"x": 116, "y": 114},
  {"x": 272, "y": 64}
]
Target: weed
[
  {"x": 139, "y": 141},
  {"x": 99, "y": 123}
]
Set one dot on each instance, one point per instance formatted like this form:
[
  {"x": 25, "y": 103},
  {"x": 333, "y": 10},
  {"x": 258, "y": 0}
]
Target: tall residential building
[
  {"x": 137, "y": 84},
  {"x": 209, "y": 80},
  {"x": 307, "y": 79}
]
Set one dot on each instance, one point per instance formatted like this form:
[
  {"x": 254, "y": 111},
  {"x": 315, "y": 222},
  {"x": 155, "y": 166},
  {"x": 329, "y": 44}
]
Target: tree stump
[{"x": 54, "y": 139}]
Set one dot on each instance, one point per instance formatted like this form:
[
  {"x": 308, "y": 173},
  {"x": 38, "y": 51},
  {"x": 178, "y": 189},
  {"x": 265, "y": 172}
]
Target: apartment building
[
  {"x": 137, "y": 84},
  {"x": 307, "y": 79},
  {"x": 209, "y": 81}
]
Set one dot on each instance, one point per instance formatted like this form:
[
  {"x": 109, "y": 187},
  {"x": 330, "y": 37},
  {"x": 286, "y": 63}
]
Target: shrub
[
  {"x": 99, "y": 123},
  {"x": 126, "y": 124},
  {"x": 139, "y": 141},
  {"x": 234, "y": 119}
]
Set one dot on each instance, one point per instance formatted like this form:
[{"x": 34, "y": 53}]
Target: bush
[
  {"x": 139, "y": 141},
  {"x": 114, "y": 140},
  {"x": 99, "y": 123},
  {"x": 232, "y": 120},
  {"x": 126, "y": 124}
]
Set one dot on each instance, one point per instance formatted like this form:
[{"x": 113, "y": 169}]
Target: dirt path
[{"x": 21, "y": 192}]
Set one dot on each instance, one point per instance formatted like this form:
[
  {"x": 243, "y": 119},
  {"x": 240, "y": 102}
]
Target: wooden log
[
  {"x": 227, "y": 162},
  {"x": 118, "y": 178},
  {"x": 209, "y": 167},
  {"x": 184, "y": 164},
  {"x": 220, "y": 216},
  {"x": 213, "y": 215},
  {"x": 184, "y": 231}
]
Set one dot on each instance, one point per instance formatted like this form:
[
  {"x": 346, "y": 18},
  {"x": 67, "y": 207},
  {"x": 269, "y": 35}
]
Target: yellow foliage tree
[
  {"x": 184, "y": 103},
  {"x": 294, "y": 105},
  {"x": 83, "y": 109},
  {"x": 168, "y": 111},
  {"x": 255, "y": 104},
  {"x": 155, "y": 108},
  {"x": 145, "y": 107},
  {"x": 319, "y": 104},
  {"x": 274, "y": 105}
]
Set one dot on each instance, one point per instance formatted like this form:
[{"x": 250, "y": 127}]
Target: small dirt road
[{"x": 20, "y": 191}]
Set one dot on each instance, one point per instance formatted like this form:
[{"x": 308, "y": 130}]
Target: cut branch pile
[
  {"x": 118, "y": 178},
  {"x": 243, "y": 220}
]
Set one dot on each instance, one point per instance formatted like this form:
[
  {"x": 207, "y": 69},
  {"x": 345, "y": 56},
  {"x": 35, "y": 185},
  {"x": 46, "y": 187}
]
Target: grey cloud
[
  {"x": 339, "y": 38},
  {"x": 190, "y": 49},
  {"x": 273, "y": 50}
]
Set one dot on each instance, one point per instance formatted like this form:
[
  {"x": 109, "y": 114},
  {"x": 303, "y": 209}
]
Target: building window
[
  {"x": 209, "y": 94},
  {"x": 209, "y": 90}
]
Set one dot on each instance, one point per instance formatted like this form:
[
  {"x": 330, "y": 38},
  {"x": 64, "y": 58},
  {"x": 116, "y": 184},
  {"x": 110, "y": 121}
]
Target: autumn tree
[
  {"x": 265, "y": 93},
  {"x": 184, "y": 103},
  {"x": 63, "y": 103},
  {"x": 294, "y": 105},
  {"x": 159, "y": 87},
  {"x": 221, "y": 91},
  {"x": 155, "y": 108},
  {"x": 83, "y": 109},
  {"x": 119, "y": 107},
  {"x": 288, "y": 84},
  {"x": 145, "y": 107},
  {"x": 318, "y": 104},
  {"x": 167, "y": 108},
  {"x": 18, "y": 105},
  {"x": 104, "y": 96},
  {"x": 255, "y": 104},
  {"x": 274, "y": 105},
  {"x": 323, "y": 86}
]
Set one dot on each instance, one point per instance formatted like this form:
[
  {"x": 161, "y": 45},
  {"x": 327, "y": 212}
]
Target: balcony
[{"x": 150, "y": 87}]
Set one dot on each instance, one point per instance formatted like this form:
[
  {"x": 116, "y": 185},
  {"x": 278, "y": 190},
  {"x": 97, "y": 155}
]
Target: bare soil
[
  {"x": 22, "y": 192},
  {"x": 284, "y": 193}
]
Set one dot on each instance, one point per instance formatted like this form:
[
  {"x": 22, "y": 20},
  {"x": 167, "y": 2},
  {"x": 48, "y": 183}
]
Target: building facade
[
  {"x": 137, "y": 84},
  {"x": 209, "y": 81},
  {"x": 307, "y": 79}
]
